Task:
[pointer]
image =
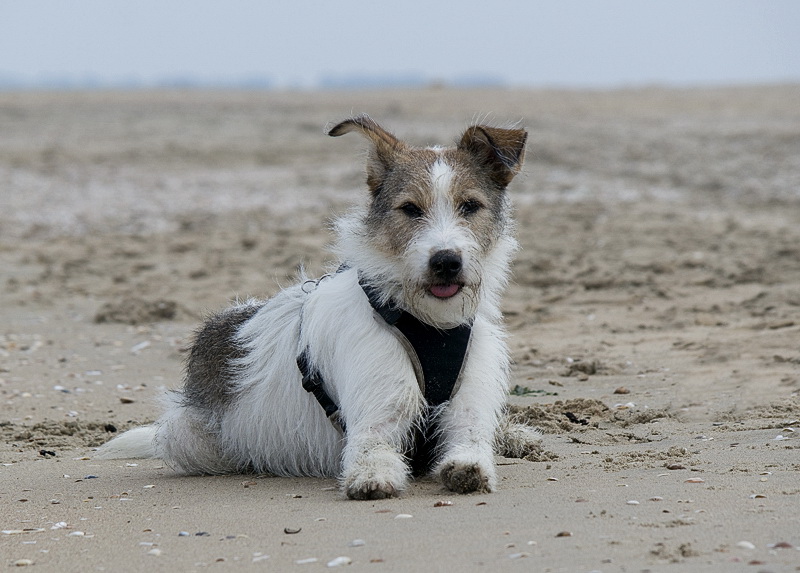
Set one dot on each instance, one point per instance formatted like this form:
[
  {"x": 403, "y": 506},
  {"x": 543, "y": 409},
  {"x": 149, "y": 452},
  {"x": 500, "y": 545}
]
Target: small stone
[
  {"x": 126, "y": 400},
  {"x": 520, "y": 555},
  {"x": 136, "y": 348},
  {"x": 23, "y": 562},
  {"x": 339, "y": 561},
  {"x": 564, "y": 534},
  {"x": 622, "y": 390},
  {"x": 403, "y": 516},
  {"x": 155, "y": 552},
  {"x": 357, "y": 543},
  {"x": 632, "y": 502},
  {"x": 745, "y": 545}
]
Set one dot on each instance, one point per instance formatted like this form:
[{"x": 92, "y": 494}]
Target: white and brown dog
[{"x": 396, "y": 362}]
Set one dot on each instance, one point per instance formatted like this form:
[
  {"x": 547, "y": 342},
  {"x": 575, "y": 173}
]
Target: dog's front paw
[
  {"x": 371, "y": 490},
  {"x": 378, "y": 473},
  {"x": 463, "y": 477}
]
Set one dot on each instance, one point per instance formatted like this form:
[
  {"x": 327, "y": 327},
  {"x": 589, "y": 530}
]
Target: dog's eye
[
  {"x": 470, "y": 207},
  {"x": 411, "y": 210}
]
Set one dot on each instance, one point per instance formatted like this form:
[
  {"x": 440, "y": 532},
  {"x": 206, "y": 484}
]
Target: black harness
[{"x": 438, "y": 357}]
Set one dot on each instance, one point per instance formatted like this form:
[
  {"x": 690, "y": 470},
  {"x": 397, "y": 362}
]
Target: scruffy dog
[{"x": 394, "y": 364}]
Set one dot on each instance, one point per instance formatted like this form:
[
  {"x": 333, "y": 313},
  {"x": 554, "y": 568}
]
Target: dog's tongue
[{"x": 445, "y": 291}]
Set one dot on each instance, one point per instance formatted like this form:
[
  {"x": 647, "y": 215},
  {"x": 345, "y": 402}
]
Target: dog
[{"x": 394, "y": 364}]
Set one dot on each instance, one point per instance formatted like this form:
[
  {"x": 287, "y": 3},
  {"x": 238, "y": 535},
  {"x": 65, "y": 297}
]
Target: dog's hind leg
[
  {"x": 516, "y": 440},
  {"x": 187, "y": 440}
]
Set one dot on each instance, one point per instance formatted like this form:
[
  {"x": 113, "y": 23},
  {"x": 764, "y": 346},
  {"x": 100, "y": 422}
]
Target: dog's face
[{"x": 436, "y": 214}]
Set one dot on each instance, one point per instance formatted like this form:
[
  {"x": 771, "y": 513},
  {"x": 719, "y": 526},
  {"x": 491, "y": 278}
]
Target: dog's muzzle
[{"x": 445, "y": 268}]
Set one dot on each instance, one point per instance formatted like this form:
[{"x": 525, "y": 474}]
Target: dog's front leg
[
  {"x": 373, "y": 464},
  {"x": 380, "y": 407},
  {"x": 373, "y": 467},
  {"x": 469, "y": 421}
]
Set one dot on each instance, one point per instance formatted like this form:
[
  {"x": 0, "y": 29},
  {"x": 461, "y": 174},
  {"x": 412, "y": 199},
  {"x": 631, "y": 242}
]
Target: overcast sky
[{"x": 589, "y": 43}]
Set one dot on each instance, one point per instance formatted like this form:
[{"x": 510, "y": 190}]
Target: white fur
[
  {"x": 273, "y": 425},
  {"x": 135, "y": 443}
]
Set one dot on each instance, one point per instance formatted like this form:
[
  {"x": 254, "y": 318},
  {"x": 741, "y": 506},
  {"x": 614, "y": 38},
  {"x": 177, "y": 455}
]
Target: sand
[{"x": 654, "y": 320}]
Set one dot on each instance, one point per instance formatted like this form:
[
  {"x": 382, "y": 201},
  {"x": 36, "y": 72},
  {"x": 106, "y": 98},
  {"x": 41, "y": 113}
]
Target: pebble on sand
[{"x": 520, "y": 555}]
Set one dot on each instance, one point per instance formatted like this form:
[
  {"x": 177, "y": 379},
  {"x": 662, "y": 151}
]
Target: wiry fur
[{"x": 436, "y": 239}]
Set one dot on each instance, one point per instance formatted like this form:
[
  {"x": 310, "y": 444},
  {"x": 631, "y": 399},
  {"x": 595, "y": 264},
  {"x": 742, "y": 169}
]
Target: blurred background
[{"x": 308, "y": 44}]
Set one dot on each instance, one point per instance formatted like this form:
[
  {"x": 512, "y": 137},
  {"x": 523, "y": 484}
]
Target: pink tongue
[{"x": 444, "y": 291}]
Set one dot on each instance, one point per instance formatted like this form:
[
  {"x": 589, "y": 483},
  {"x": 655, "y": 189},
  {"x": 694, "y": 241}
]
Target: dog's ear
[
  {"x": 384, "y": 149},
  {"x": 500, "y": 151}
]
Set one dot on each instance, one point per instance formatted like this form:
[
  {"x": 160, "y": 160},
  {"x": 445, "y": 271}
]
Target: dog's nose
[{"x": 445, "y": 264}]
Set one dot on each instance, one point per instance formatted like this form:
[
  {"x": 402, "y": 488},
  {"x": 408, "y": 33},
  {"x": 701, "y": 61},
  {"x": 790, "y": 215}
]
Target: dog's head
[{"x": 436, "y": 218}]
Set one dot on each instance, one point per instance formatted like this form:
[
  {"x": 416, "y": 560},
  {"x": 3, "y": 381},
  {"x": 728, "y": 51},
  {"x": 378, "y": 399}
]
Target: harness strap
[{"x": 313, "y": 383}]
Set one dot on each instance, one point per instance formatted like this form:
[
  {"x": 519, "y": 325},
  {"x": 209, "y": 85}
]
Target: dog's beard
[{"x": 442, "y": 313}]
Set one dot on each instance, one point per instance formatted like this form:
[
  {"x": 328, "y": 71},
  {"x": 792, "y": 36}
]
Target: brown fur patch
[{"x": 209, "y": 368}]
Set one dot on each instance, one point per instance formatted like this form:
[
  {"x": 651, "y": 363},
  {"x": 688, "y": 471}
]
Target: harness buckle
[{"x": 313, "y": 384}]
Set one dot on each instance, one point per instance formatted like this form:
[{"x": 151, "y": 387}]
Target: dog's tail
[{"x": 136, "y": 443}]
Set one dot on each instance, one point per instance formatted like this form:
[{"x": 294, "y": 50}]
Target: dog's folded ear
[
  {"x": 384, "y": 151},
  {"x": 498, "y": 150}
]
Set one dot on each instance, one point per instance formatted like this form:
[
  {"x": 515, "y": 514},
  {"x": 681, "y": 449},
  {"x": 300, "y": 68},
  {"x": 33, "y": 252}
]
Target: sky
[{"x": 308, "y": 43}]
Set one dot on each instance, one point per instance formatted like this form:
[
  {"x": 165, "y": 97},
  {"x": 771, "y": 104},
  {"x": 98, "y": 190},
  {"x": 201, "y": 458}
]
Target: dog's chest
[
  {"x": 440, "y": 353},
  {"x": 437, "y": 355}
]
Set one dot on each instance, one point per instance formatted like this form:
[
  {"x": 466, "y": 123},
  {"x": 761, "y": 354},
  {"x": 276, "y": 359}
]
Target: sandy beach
[{"x": 654, "y": 321}]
